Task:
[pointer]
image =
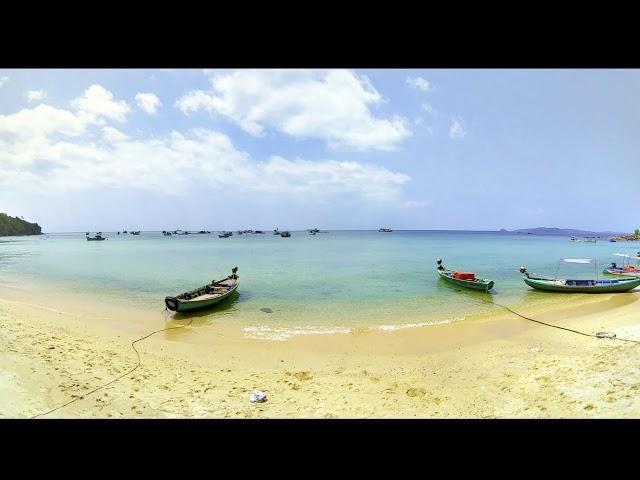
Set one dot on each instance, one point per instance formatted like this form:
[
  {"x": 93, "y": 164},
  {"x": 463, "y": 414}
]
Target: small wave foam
[
  {"x": 284, "y": 333},
  {"x": 273, "y": 333},
  {"x": 411, "y": 325}
]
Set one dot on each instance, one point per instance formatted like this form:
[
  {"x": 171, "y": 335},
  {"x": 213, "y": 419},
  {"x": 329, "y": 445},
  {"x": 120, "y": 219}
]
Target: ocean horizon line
[{"x": 560, "y": 231}]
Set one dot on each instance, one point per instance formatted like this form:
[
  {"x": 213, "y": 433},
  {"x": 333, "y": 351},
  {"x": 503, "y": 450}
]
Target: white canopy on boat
[
  {"x": 625, "y": 255},
  {"x": 576, "y": 260}
]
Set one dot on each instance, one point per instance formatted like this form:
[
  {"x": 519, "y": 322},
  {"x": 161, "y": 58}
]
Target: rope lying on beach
[
  {"x": 129, "y": 372},
  {"x": 597, "y": 335}
]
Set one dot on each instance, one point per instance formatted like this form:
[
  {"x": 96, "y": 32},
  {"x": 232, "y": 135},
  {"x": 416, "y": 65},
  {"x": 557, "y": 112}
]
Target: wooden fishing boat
[
  {"x": 285, "y": 234},
  {"x": 205, "y": 296},
  {"x": 385, "y": 230},
  {"x": 578, "y": 286},
  {"x": 464, "y": 279},
  {"x": 626, "y": 269}
]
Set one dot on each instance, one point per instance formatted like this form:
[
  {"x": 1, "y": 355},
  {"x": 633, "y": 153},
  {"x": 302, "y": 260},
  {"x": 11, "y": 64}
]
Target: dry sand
[{"x": 503, "y": 367}]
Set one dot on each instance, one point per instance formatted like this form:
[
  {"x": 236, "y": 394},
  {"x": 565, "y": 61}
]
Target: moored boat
[
  {"x": 386, "y": 230},
  {"x": 205, "y": 296},
  {"x": 578, "y": 285},
  {"x": 285, "y": 234},
  {"x": 97, "y": 237},
  {"x": 626, "y": 269},
  {"x": 464, "y": 279}
]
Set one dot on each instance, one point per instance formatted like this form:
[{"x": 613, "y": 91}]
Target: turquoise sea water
[{"x": 327, "y": 282}]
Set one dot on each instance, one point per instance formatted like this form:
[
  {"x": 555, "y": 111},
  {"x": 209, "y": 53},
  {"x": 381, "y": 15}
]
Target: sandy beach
[{"x": 495, "y": 367}]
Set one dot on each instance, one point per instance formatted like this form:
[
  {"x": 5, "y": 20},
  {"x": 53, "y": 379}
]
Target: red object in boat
[{"x": 464, "y": 275}]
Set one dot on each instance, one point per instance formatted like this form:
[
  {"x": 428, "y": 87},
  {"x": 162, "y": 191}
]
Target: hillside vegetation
[{"x": 16, "y": 226}]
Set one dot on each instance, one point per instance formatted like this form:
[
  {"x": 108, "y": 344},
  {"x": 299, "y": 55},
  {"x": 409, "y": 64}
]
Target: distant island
[
  {"x": 634, "y": 237},
  {"x": 569, "y": 232},
  {"x": 10, "y": 226}
]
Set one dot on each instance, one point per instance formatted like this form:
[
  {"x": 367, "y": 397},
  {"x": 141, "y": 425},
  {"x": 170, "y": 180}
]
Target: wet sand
[{"x": 486, "y": 367}]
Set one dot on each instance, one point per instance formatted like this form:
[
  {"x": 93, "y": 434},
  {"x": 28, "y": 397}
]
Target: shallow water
[{"x": 334, "y": 281}]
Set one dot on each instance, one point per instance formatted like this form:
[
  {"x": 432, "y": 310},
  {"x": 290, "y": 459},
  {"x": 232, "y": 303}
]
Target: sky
[{"x": 109, "y": 149}]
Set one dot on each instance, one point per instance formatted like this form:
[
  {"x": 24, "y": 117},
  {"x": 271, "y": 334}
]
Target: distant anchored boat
[
  {"x": 578, "y": 286},
  {"x": 387, "y": 230},
  {"x": 463, "y": 279},
  {"x": 97, "y": 237},
  {"x": 285, "y": 234},
  {"x": 205, "y": 296}
]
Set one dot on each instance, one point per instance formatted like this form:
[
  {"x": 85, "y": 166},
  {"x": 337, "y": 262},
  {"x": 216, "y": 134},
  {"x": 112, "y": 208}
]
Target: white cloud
[
  {"x": 457, "y": 130},
  {"x": 427, "y": 107},
  {"x": 35, "y": 95},
  {"x": 329, "y": 105},
  {"x": 148, "y": 102},
  {"x": 419, "y": 83},
  {"x": 113, "y": 135},
  {"x": 418, "y": 121},
  {"x": 99, "y": 102},
  {"x": 46, "y": 147},
  {"x": 41, "y": 121},
  {"x": 3, "y": 80}
]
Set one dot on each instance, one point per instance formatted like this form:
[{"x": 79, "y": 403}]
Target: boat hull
[
  {"x": 191, "y": 305},
  {"x": 200, "y": 302},
  {"x": 583, "y": 286},
  {"x": 478, "y": 284}
]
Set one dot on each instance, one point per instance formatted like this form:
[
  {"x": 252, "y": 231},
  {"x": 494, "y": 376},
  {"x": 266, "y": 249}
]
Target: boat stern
[{"x": 172, "y": 303}]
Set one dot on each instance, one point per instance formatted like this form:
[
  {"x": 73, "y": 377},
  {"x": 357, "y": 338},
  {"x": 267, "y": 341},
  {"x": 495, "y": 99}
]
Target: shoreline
[
  {"x": 107, "y": 315},
  {"x": 490, "y": 367}
]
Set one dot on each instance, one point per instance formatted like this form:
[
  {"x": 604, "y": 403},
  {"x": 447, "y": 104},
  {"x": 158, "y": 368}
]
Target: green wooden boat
[
  {"x": 475, "y": 283},
  {"x": 205, "y": 296},
  {"x": 579, "y": 286}
]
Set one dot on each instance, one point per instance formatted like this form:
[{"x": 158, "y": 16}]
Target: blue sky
[{"x": 410, "y": 149}]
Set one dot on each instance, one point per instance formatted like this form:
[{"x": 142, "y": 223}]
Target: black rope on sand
[
  {"x": 129, "y": 372},
  {"x": 597, "y": 335}
]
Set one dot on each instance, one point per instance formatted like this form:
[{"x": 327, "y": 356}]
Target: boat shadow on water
[{"x": 478, "y": 295}]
